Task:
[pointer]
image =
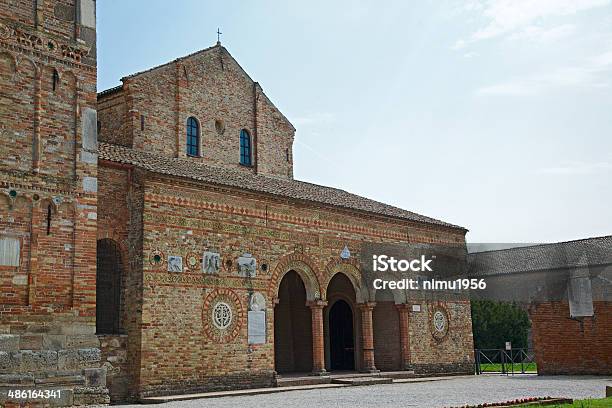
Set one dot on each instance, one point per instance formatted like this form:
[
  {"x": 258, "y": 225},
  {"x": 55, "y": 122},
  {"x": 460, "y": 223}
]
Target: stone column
[
  {"x": 367, "y": 336},
  {"x": 404, "y": 326},
  {"x": 318, "y": 343}
]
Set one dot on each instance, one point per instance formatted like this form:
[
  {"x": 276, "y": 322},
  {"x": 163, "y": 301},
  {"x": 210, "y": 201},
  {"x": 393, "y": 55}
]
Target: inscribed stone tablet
[{"x": 257, "y": 327}]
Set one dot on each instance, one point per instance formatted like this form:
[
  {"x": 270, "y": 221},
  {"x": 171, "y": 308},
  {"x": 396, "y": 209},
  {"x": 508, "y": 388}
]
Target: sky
[{"x": 493, "y": 115}]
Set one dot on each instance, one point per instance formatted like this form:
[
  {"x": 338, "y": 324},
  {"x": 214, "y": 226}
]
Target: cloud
[
  {"x": 523, "y": 18},
  {"x": 459, "y": 45},
  {"x": 592, "y": 73},
  {"x": 535, "y": 33},
  {"x": 577, "y": 168}
]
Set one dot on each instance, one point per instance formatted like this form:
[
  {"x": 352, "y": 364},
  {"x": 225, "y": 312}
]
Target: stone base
[
  {"x": 235, "y": 381},
  {"x": 58, "y": 397},
  {"x": 444, "y": 369},
  {"x": 51, "y": 363},
  {"x": 321, "y": 373}
]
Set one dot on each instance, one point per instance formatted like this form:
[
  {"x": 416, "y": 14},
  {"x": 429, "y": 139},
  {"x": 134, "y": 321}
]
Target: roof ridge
[
  {"x": 542, "y": 244},
  {"x": 110, "y": 90},
  {"x": 218, "y": 45}
]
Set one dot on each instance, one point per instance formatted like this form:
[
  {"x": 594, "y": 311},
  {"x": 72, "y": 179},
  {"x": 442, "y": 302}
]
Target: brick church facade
[{"x": 164, "y": 245}]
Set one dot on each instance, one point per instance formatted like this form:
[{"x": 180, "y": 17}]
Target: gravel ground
[{"x": 447, "y": 392}]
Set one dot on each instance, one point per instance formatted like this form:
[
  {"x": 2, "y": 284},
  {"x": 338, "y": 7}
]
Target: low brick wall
[{"x": 572, "y": 346}]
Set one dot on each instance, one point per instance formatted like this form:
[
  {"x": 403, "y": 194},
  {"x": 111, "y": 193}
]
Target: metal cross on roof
[{"x": 219, "y": 35}]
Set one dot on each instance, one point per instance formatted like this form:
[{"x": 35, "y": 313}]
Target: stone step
[
  {"x": 306, "y": 380},
  {"x": 397, "y": 374},
  {"x": 363, "y": 380}
]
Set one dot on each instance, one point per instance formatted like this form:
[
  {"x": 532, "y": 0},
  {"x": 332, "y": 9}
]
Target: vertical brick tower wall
[{"x": 48, "y": 200}]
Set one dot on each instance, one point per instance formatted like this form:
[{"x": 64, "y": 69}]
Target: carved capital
[
  {"x": 316, "y": 304},
  {"x": 366, "y": 306}
]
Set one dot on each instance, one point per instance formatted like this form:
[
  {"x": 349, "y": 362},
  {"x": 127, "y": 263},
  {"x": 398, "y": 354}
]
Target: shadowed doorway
[
  {"x": 342, "y": 346},
  {"x": 108, "y": 287},
  {"x": 292, "y": 327}
]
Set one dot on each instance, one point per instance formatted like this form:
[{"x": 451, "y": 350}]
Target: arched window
[
  {"x": 55, "y": 79},
  {"x": 245, "y": 148},
  {"x": 193, "y": 137},
  {"x": 108, "y": 287}
]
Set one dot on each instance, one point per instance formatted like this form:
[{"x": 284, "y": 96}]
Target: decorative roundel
[
  {"x": 222, "y": 315},
  {"x": 156, "y": 257},
  {"x": 439, "y": 322},
  {"x": 193, "y": 262}
]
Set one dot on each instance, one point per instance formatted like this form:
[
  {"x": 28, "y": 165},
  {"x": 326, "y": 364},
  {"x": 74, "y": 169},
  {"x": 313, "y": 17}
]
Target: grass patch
[
  {"x": 497, "y": 367},
  {"x": 587, "y": 403}
]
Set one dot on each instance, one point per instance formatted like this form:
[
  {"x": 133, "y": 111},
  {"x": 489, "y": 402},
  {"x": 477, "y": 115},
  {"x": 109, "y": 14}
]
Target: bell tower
[{"x": 48, "y": 199}]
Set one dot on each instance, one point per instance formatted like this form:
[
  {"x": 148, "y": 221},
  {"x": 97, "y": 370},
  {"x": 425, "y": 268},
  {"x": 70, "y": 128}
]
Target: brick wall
[
  {"x": 113, "y": 118},
  {"x": 48, "y": 177},
  {"x": 387, "y": 351},
  {"x": 572, "y": 346},
  {"x": 454, "y": 353},
  {"x": 151, "y": 110},
  {"x": 183, "y": 219}
]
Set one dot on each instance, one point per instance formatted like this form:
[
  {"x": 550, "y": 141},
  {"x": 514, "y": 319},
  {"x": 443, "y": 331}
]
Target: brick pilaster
[
  {"x": 367, "y": 336},
  {"x": 318, "y": 344},
  {"x": 404, "y": 323}
]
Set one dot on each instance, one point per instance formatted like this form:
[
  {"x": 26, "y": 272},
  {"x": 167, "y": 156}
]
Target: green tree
[{"x": 495, "y": 323}]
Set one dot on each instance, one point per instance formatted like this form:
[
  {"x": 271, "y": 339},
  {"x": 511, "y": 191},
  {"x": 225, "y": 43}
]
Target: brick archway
[
  {"x": 293, "y": 340},
  {"x": 304, "y": 267},
  {"x": 350, "y": 268}
]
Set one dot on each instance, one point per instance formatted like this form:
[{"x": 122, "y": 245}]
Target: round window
[{"x": 222, "y": 315}]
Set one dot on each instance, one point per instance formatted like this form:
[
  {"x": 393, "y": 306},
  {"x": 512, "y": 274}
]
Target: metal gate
[{"x": 508, "y": 362}]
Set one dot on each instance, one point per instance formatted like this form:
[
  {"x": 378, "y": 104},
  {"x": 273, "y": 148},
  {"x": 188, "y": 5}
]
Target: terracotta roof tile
[
  {"x": 293, "y": 189},
  {"x": 561, "y": 255}
]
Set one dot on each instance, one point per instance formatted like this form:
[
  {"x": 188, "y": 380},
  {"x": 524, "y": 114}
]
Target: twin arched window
[
  {"x": 245, "y": 148},
  {"x": 193, "y": 137},
  {"x": 193, "y": 142}
]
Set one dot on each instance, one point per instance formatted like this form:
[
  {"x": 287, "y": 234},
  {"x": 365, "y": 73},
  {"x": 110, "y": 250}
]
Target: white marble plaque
[
  {"x": 211, "y": 262},
  {"x": 257, "y": 327},
  {"x": 9, "y": 252},
  {"x": 247, "y": 266},
  {"x": 580, "y": 294},
  {"x": 257, "y": 302},
  {"x": 175, "y": 264}
]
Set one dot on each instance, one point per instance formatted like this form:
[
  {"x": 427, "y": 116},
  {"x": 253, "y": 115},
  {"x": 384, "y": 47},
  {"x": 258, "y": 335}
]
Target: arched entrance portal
[
  {"x": 342, "y": 344},
  {"x": 292, "y": 327}
]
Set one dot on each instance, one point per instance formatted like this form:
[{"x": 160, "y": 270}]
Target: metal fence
[{"x": 508, "y": 362}]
